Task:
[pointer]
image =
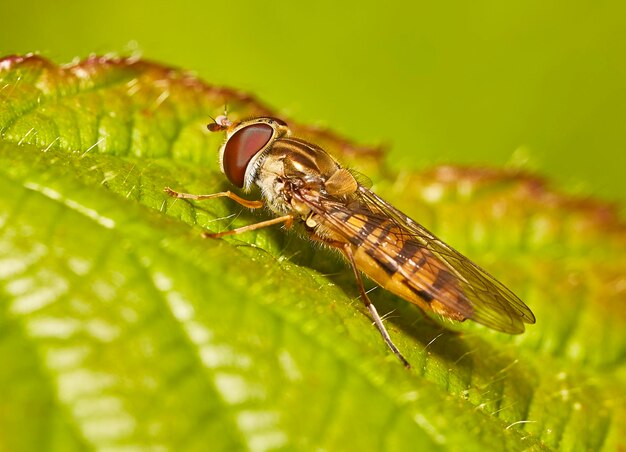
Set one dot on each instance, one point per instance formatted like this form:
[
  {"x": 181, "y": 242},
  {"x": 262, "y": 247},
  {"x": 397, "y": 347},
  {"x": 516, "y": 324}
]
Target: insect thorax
[{"x": 291, "y": 166}]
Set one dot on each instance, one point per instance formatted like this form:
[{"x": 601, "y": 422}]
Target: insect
[{"x": 299, "y": 181}]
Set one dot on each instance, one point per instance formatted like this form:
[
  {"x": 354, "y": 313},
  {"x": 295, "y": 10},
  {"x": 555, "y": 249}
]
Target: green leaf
[{"x": 121, "y": 328}]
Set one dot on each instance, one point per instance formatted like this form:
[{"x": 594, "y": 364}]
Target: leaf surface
[{"x": 121, "y": 327}]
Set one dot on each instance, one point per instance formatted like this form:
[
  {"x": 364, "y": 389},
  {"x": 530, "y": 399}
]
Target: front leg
[
  {"x": 287, "y": 219},
  {"x": 228, "y": 194}
]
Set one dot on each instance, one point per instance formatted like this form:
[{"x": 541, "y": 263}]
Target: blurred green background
[{"x": 478, "y": 82}]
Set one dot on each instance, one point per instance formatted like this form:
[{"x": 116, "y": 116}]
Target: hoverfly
[{"x": 299, "y": 181}]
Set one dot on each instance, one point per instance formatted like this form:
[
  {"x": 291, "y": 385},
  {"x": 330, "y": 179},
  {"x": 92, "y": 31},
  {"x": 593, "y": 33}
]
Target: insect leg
[
  {"x": 287, "y": 219},
  {"x": 228, "y": 194},
  {"x": 371, "y": 308}
]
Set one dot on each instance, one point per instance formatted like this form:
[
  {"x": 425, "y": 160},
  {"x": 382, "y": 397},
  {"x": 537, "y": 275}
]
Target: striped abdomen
[{"x": 401, "y": 264}]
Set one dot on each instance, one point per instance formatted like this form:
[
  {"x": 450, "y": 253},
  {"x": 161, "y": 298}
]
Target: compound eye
[{"x": 241, "y": 147}]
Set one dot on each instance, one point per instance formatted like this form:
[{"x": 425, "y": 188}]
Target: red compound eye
[{"x": 241, "y": 147}]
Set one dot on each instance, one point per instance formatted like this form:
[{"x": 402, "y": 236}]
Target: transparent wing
[{"x": 466, "y": 288}]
